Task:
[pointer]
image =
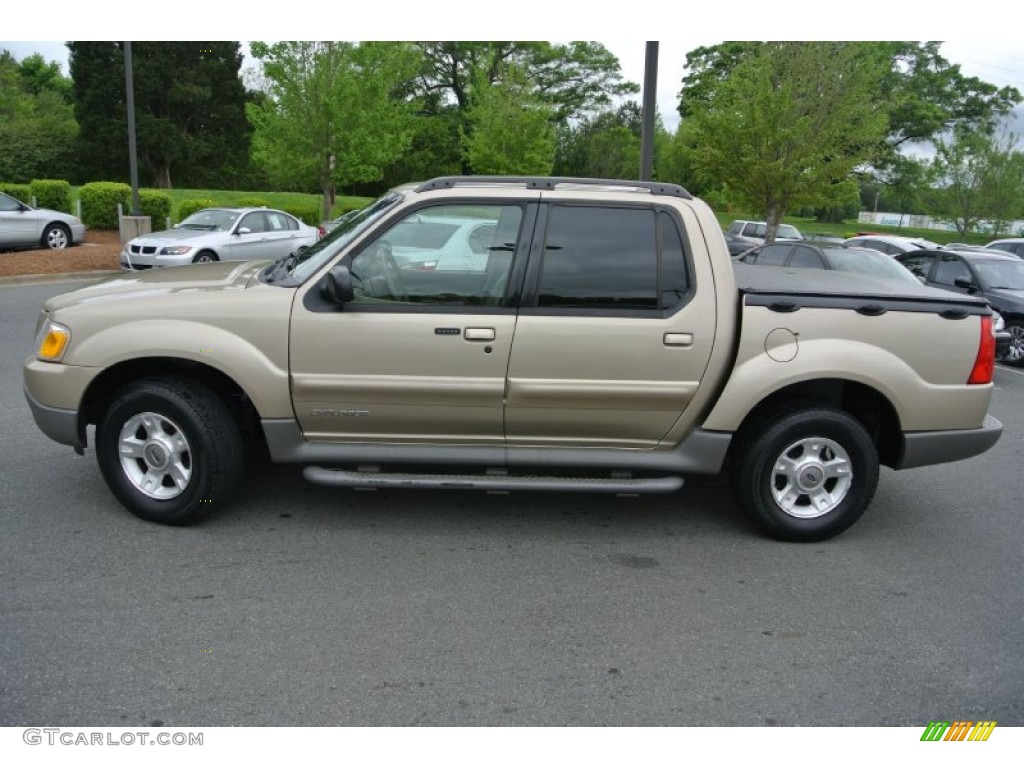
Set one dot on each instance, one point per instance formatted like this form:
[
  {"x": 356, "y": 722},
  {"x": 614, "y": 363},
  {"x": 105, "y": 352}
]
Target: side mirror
[
  {"x": 966, "y": 283},
  {"x": 338, "y": 288},
  {"x": 243, "y": 231}
]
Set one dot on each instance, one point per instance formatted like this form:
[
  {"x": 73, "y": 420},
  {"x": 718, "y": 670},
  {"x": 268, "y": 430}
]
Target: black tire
[
  {"x": 165, "y": 410},
  {"x": 1015, "y": 354},
  {"x": 204, "y": 257},
  {"x": 806, "y": 455},
  {"x": 56, "y": 237}
]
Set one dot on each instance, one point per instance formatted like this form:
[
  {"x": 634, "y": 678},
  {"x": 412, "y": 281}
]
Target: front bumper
[
  {"x": 921, "y": 449},
  {"x": 77, "y": 233},
  {"x": 133, "y": 262},
  {"x": 58, "y": 424}
]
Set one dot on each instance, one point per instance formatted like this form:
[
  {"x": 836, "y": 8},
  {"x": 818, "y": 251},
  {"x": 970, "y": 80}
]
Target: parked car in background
[
  {"x": 1014, "y": 245},
  {"x": 331, "y": 224},
  {"x": 890, "y": 244},
  {"x": 998, "y": 277},
  {"x": 863, "y": 261},
  {"x": 757, "y": 230},
  {"x": 743, "y": 235},
  {"x": 221, "y": 234},
  {"x": 22, "y": 226},
  {"x": 738, "y": 245}
]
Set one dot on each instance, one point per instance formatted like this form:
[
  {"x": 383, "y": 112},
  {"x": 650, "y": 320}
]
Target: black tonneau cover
[{"x": 787, "y": 289}]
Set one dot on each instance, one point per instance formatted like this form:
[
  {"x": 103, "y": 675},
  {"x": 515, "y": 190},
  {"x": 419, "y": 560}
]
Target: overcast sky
[{"x": 978, "y": 41}]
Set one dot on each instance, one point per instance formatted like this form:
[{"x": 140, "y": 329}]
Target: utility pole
[
  {"x": 650, "y": 107},
  {"x": 133, "y": 164}
]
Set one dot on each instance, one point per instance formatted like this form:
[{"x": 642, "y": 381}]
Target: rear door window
[{"x": 603, "y": 258}]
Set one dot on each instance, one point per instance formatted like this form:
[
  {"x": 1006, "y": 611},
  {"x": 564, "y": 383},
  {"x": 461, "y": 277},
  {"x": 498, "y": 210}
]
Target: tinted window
[
  {"x": 446, "y": 255},
  {"x": 950, "y": 268},
  {"x": 919, "y": 264},
  {"x": 254, "y": 221},
  {"x": 773, "y": 255},
  {"x": 278, "y": 222},
  {"x": 673, "y": 281},
  {"x": 806, "y": 257},
  {"x": 599, "y": 258}
]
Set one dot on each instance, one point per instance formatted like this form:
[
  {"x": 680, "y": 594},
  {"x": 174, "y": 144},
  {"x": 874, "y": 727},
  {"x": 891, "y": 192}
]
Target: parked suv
[
  {"x": 755, "y": 231},
  {"x": 585, "y": 335}
]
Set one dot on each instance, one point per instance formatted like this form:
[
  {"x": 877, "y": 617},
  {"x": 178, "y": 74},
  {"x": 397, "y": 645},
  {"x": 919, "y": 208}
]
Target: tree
[
  {"x": 978, "y": 176},
  {"x": 923, "y": 93},
  {"x": 511, "y": 127},
  {"x": 906, "y": 180},
  {"x": 572, "y": 79},
  {"x": 337, "y": 113},
  {"x": 605, "y": 145},
  {"x": 789, "y": 125},
  {"x": 189, "y": 103},
  {"x": 37, "y": 125},
  {"x": 959, "y": 170},
  {"x": 1002, "y": 182}
]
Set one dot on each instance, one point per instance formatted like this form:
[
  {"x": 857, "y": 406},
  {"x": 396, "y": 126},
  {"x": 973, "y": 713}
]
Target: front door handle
[{"x": 479, "y": 334}]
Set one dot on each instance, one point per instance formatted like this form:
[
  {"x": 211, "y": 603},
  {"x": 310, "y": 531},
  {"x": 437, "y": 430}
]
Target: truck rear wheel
[
  {"x": 805, "y": 472},
  {"x": 169, "y": 450}
]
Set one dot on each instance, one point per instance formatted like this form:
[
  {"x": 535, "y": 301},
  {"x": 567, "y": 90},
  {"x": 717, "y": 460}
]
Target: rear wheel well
[
  {"x": 869, "y": 406},
  {"x": 104, "y": 387}
]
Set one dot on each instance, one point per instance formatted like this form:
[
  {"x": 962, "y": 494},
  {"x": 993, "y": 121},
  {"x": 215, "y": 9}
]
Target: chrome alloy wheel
[
  {"x": 1015, "y": 354},
  {"x": 155, "y": 455},
  {"x": 811, "y": 477},
  {"x": 56, "y": 238}
]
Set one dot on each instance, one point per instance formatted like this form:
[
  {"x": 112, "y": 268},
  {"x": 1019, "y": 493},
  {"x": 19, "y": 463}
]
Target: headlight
[
  {"x": 52, "y": 341},
  {"x": 175, "y": 250},
  {"x": 998, "y": 324}
]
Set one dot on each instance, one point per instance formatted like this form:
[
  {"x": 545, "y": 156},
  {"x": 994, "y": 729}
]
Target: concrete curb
[{"x": 61, "y": 277}]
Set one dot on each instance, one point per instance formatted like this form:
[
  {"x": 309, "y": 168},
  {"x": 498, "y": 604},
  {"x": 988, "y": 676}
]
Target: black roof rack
[{"x": 550, "y": 182}]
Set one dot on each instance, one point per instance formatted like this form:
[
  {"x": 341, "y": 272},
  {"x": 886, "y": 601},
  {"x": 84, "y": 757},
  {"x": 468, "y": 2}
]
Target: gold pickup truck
[{"x": 501, "y": 333}]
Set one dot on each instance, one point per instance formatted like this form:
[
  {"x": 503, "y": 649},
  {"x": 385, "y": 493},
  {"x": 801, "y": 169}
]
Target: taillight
[
  {"x": 985, "y": 362},
  {"x": 320, "y": 232}
]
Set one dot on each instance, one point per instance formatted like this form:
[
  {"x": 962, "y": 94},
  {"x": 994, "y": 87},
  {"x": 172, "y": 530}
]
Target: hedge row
[
  {"x": 17, "y": 191},
  {"x": 99, "y": 200},
  {"x": 49, "y": 193}
]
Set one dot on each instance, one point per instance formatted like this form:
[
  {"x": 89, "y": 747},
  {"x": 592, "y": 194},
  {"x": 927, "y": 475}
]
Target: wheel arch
[
  {"x": 103, "y": 388},
  {"x": 866, "y": 404}
]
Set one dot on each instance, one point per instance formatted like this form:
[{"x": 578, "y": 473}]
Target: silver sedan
[
  {"x": 22, "y": 226},
  {"x": 220, "y": 234}
]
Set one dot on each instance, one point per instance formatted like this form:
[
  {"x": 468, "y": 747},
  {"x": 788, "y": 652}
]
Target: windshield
[
  {"x": 866, "y": 261},
  {"x": 1001, "y": 274},
  {"x": 349, "y": 227},
  {"x": 211, "y": 220}
]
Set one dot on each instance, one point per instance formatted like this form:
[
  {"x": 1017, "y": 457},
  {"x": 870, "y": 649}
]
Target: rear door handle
[
  {"x": 479, "y": 334},
  {"x": 678, "y": 339}
]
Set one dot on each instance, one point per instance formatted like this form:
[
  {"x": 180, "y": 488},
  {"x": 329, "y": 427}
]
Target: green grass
[{"x": 850, "y": 227}]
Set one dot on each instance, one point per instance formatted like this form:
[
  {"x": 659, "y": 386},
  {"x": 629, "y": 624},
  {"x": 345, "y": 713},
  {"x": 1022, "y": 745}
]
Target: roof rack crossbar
[{"x": 550, "y": 182}]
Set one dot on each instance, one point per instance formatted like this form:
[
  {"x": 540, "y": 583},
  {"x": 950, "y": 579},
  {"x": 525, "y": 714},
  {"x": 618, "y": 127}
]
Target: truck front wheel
[
  {"x": 169, "y": 450},
  {"x": 805, "y": 473}
]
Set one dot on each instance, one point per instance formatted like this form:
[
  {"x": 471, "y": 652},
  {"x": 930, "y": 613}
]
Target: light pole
[
  {"x": 133, "y": 166},
  {"x": 650, "y": 106}
]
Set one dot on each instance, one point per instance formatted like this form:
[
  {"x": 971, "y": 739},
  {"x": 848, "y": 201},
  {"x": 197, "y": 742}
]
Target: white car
[
  {"x": 442, "y": 243},
  {"x": 1014, "y": 245},
  {"x": 221, "y": 234},
  {"x": 890, "y": 244},
  {"x": 22, "y": 226}
]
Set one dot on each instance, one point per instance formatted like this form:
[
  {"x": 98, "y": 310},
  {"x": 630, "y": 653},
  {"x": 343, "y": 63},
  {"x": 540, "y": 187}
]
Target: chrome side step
[{"x": 350, "y": 479}]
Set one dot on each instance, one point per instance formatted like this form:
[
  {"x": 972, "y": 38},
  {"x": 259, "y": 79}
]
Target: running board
[{"x": 349, "y": 479}]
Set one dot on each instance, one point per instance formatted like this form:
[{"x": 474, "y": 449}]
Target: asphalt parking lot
[{"x": 303, "y": 605}]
